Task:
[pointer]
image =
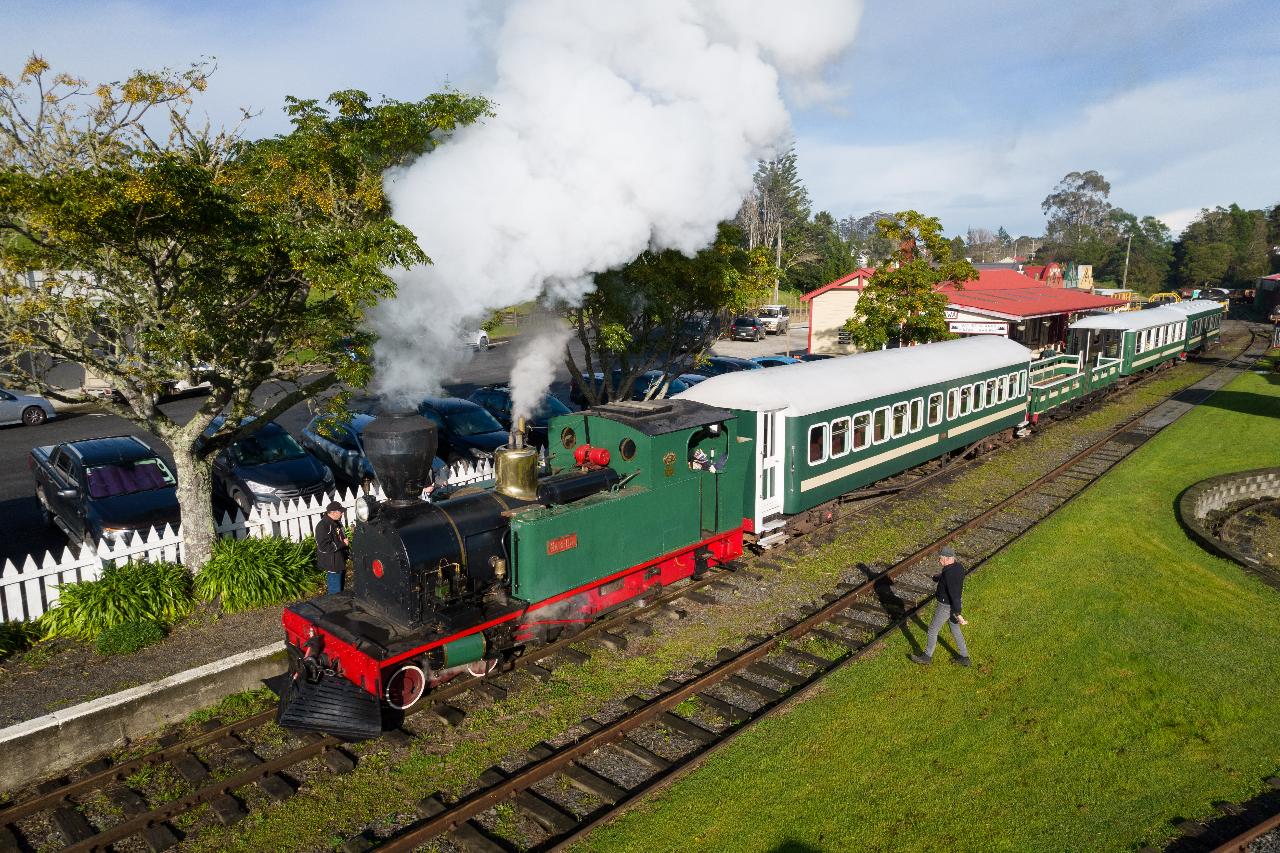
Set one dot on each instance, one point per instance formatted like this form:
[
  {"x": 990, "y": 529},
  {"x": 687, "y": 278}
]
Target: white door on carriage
[{"x": 769, "y": 467}]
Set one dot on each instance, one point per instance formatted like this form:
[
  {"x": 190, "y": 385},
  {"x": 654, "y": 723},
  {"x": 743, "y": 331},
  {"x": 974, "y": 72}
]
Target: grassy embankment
[{"x": 1124, "y": 678}]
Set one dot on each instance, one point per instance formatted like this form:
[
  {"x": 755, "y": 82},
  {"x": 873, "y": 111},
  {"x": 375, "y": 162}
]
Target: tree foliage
[
  {"x": 1077, "y": 208},
  {"x": 196, "y": 254},
  {"x": 901, "y": 303},
  {"x": 1225, "y": 246},
  {"x": 644, "y": 315},
  {"x": 1150, "y": 253}
]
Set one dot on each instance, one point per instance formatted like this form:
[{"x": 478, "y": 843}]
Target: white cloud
[{"x": 1172, "y": 146}]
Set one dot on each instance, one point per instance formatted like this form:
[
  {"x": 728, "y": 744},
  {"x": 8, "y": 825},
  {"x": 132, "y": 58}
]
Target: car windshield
[
  {"x": 472, "y": 421},
  {"x": 549, "y": 408},
  {"x": 126, "y": 478},
  {"x": 267, "y": 446},
  {"x": 769, "y": 312}
]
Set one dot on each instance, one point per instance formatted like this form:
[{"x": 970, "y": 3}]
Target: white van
[{"x": 776, "y": 318}]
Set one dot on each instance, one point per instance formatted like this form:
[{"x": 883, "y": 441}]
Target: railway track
[
  {"x": 561, "y": 793},
  {"x": 226, "y": 758}
]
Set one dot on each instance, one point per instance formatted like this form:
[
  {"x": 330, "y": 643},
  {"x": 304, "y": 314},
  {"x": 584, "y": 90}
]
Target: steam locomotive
[{"x": 460, "y": 586}]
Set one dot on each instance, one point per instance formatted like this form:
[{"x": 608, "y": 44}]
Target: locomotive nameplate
[
  {"x": 669, "y": 461},
  {"x": 562, "y": 543}
]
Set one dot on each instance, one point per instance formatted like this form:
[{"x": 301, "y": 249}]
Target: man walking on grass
[{"x": 950, "y": 587}]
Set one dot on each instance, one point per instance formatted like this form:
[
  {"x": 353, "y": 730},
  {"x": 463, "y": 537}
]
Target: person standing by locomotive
[
  {"x": 332, "y": 546},
  {"x": 950, "y": 589}
]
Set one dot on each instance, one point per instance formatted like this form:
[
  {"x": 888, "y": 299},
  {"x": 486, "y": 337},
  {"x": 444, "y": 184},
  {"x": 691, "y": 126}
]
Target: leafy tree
[
  {"x": 832, "y": 255},
  {"x": 865, "y": 239},
  {"x": 1227, "y": 246},
  {"x": 644, "y": 315},
  {"x": 958, "y": 248},
  {"x": 151, "y": 249},
  {"x": 901, "y": 302},
  {"x": 776, "y": 214},
  {"x": 1003, "y": 240},
  {"x": 1077, "y": 208},
  {"x": 1273, "y": 236},
  {"x": 1150, "y": 253}
]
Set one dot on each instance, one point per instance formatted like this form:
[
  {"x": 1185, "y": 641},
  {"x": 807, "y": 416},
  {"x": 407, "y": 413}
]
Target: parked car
[
  {"x": 775, "y": 360},
  {"x": 747, "y": 329},
  {"x": 104, "y": 488},
  {"x": 776, "y": 318},
  {"x": 19, "y": 408},
  {"x": 691, "y": 379},
  {"x": 813, "y": 356},
  {"x": 266, "y": 467},
  {"x": 496, "y": 400},
  {"x": 477, "y": 339},
  {"x": 640, "y": 388},
  {"x": 464, "y": 431},
  {"x": 339, "y": 443},
  {"x": 717, "y": 364}
]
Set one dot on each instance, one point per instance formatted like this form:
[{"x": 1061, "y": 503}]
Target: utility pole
[
  {"x": 1124, "y": 282},
  {"x": 778, "y": 263}
]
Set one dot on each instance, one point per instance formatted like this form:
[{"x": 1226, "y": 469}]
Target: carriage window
[
  {"x": 917, "y": 414},
  {"x": 1002, "y": 389},
  {"x": 817, "y": 444},
  {"x": 992, "y": 398},
  {"x": 979, "y": 396},
  {"x": 966, "y": 400},
  {"x": 839, "y": 437},
  {"x": 935, "y": 409},
  {"x": 900, "y": 419},
  {"x": 1022, "y": 384},
  {"x": 861, "y": 430},
  {"x": 880, "y": 425},
  {"x": 953, "y": 407}
]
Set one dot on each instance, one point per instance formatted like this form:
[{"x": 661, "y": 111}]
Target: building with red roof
[
  {"x": 1000, "y": 302},
  {"x": 1008, "y": 303}
]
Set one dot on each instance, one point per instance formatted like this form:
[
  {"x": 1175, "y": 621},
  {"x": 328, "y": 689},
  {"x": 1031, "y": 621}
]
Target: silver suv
[{"x": 775, "y": 318}]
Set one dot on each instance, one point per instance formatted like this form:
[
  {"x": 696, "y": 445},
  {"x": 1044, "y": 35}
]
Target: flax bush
[
  {"x": 248, "y": 573},
  {"x": 129, "y": 592},
  {"x": 17, "y": 637}
]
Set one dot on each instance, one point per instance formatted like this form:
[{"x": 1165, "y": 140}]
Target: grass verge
[{"x": 1125, "y": 679}]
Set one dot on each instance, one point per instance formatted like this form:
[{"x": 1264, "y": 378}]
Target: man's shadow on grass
[{"x": 896, "y": 606}]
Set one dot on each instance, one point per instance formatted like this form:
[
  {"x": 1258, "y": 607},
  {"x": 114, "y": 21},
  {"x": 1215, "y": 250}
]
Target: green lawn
[{"x": 1123, "y": 678}]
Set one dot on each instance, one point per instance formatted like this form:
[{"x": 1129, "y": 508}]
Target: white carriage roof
[
  {"x": 1131, "y": 320},
  {"x": 815, "y": 386},
  {"x": 1194, "y": 306}
]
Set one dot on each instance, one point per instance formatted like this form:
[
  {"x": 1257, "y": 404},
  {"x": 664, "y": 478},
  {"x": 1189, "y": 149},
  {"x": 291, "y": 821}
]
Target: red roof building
[{"x": 1008, "y": 303}]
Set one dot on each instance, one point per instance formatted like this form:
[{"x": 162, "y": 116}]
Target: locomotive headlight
[{"x": 363, "y": 508}]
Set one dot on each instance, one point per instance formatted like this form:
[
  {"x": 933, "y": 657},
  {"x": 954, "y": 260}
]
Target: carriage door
[{"x": 769, "y": 478}]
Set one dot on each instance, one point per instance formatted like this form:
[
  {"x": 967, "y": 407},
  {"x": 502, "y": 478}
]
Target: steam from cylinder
[{"x": 401, "y": 447}]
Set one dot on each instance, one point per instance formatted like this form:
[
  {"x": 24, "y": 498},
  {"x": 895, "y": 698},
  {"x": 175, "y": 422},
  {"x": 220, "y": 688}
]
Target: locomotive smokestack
[{"x": 401, "y": 447}]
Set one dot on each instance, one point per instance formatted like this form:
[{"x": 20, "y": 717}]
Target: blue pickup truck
[{"x": 104, "y": 488}]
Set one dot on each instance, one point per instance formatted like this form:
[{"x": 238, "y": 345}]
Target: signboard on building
[{"x": 979, "y": 328}]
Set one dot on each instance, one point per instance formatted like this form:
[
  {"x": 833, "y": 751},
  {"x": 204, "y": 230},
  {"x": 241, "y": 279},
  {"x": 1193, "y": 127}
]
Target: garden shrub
[
  {"x": 129, "y": 592},
  {"x": 128, "y": 637},
  {"x": 246, "y": 573},
  {"x": 17, "y": 637}
]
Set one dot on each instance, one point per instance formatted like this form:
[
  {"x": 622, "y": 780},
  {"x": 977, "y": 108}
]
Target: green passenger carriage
[
  {"x": 824, "y": 428},
  {"x": 1204, "y": 322},
  {"x": 1139, "y": 339}
]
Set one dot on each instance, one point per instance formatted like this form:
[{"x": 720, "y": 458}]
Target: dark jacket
[
  {"x": 331, "y": 554},
  {"x": 951, "y": 586}
]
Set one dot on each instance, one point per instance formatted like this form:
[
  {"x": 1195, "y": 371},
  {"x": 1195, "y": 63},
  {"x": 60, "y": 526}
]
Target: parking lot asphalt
[{"x": 22, "y": 532}]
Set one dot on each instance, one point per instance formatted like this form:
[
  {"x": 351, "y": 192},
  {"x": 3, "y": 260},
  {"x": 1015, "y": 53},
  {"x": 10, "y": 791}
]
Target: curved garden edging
[{"x": 1217, "y": 493}]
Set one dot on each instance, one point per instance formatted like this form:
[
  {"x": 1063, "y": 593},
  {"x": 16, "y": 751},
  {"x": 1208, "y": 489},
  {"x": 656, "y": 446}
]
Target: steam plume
[
  {"x": 620, "y": 126},
  {"x": 539, "y": 352}
]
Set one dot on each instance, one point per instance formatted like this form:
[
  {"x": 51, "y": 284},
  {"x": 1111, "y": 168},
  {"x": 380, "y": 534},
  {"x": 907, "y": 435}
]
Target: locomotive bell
[
  {"x": 516, "y": 467},
  {"x": 401, "y": 447}
]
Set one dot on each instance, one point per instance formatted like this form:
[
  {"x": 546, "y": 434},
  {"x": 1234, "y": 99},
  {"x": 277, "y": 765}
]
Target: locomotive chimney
[
  {"x": 516, "y": 467},
  {"x": 401, "y": 447}
]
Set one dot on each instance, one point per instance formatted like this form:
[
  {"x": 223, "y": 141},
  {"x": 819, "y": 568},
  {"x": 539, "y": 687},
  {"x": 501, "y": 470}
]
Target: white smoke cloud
[
  {"x": 540, "y": 349},
  {"x": 620, "y": 126}
]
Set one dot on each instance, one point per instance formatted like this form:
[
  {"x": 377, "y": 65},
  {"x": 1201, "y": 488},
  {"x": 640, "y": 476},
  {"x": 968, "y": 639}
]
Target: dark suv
[
  {"x": 463, "y": 429},
  {"x": 266, "y": 467},
  {"x": 747, "y": 329},
  {"x": 496, "y": 400}
]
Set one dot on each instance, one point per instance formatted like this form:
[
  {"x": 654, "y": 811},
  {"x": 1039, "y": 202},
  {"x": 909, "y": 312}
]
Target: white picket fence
[{"x": 29, "y": 589}]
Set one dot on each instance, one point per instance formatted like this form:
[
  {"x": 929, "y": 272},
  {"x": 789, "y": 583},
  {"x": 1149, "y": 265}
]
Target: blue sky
[{"x": 969, "y": 112}]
